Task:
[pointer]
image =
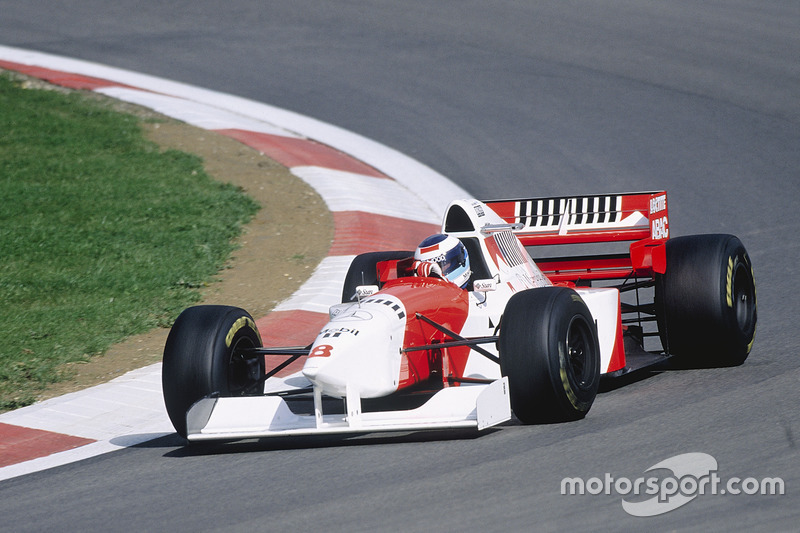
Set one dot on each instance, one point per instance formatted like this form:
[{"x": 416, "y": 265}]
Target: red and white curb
[{"x": 380, "y": 200}]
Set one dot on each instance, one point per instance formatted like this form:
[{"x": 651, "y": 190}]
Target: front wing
[{"x": 469, "y": 406}]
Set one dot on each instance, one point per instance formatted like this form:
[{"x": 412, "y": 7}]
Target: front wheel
[
  {"x": 549, "y": 351},
  {"x": 207, "y": 354}
]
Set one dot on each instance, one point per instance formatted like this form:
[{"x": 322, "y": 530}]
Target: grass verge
[{"x": 101, "y": 234}]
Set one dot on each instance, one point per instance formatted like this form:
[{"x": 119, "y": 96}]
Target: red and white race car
[{"x": 408, "y": 350}]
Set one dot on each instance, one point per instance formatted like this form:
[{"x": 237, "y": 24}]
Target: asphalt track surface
[{"x": 507, "y": 99}]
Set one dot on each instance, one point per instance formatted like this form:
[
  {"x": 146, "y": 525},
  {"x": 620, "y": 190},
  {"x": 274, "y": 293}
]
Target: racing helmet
[{"x": 450, "y": 254}]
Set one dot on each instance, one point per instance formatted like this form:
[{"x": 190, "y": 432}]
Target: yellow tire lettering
[
  {"x": 562, "y": 371},
  {"x": 239, "y": 324},
  {"x": 729, "y": 283}
]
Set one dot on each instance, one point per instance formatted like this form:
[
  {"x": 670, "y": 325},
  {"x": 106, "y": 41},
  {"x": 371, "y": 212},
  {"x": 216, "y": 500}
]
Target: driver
[{"x": 445, "y": 256}]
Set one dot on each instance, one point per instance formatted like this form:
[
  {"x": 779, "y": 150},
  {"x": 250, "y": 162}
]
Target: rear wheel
[
  {"x": 549, "y": 351},
  {"x": 706, "y": 301},
  {"x": 206, "y": 354},
  {"x": 363, "y": 271}
]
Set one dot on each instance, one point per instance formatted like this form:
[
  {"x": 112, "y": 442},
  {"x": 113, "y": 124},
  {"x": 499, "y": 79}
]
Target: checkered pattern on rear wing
[{"x": 580, "y": 219}]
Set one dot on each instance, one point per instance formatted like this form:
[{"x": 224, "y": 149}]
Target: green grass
[{"x": 101, "y": 235}]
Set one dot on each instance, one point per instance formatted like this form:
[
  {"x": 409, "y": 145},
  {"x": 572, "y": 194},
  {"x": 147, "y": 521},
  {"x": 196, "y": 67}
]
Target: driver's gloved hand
[{"x": 427, "y": 269}]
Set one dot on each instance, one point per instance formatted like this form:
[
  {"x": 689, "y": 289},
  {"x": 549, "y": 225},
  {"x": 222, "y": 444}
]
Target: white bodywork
[{"x": 373, "y": 372}]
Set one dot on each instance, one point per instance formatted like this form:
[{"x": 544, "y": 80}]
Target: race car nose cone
[
  {"x": 331, "y": 378},
  {"x": 310, "y": 372},
  {"x": 359, "y": 350},
  {"x": 311, "y": 368}
]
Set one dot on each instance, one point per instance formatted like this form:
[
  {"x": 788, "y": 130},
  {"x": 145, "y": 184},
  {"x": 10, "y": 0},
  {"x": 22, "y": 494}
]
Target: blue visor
[{"x": 454, "y": 259}]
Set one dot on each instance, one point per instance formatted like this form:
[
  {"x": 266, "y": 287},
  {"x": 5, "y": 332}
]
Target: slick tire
[
  {"x": 549, "y": 352},
  {"x": 363, "y": 271},
  {"x": 706, "y": 301},
  {"x": 204, "y": 356}
]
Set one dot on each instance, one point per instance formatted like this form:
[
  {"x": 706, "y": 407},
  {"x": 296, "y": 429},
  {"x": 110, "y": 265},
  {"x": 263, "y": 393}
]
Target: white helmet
[{"x": 451, "y": 256}]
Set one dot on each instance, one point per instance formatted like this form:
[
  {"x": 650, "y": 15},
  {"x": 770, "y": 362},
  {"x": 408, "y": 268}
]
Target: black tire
[
  {"x": 549, "y": 351},
  {"x": 363, "y": 271},
  {"x": 203, "y": 356},
  {"x": 706, "y": 301}
]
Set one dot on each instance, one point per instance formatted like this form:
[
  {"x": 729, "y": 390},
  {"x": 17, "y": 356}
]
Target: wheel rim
[
  {"x": 243, "y": 370},
  {"x": 744, "y": 294},
  {"x": 579, "y": 349}
]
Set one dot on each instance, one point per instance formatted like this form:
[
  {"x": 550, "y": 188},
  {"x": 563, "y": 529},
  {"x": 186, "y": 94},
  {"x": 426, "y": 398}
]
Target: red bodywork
[
  {"x": 441, "y": 302},
  {"x": 647, "y": 253}
]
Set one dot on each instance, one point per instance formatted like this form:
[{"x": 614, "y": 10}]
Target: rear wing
[
  {"x": 640, "y": 218},
  {"x": 586, "y": 219}
]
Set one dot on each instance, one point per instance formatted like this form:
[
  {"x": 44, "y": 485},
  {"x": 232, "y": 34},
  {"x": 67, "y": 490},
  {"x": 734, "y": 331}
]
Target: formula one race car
[{"x": 469, "y": 327}]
